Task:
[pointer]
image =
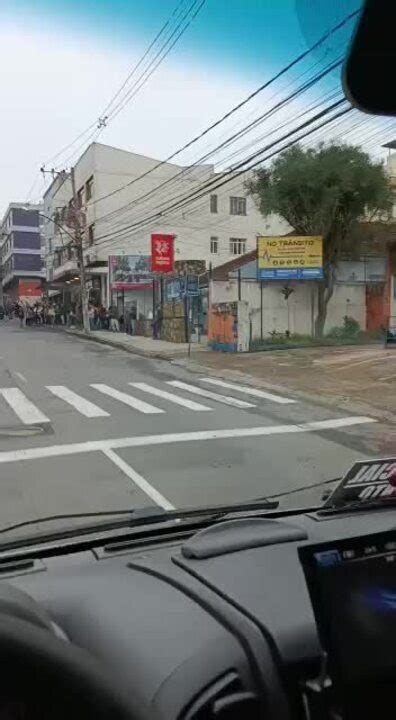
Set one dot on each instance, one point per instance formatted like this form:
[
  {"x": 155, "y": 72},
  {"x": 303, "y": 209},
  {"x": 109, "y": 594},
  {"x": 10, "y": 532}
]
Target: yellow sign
[{"x": 290, "y": 257}]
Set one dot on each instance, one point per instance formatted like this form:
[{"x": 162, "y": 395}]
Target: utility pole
[{"x": 80, "y": 253}]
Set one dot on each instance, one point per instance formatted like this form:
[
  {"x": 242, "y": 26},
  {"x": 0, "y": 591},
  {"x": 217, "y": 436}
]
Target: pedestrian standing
[
  {"x": 128, "y": 320},
  {"x": 100, "y": 318},
  {"x": 58, "y": 314},
  {"x": 21, "y": 315},
  {"x": 51, "y": 315},
  {"x": 114, "y": 324},
  {"x": 91, "y": 316}
]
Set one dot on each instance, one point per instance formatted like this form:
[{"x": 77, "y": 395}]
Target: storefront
[
  {"x": 97, "y": 283},
  {"x": 131, "y": 290}
]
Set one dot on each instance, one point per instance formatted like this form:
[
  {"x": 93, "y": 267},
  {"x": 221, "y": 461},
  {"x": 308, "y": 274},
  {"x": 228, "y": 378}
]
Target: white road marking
[
  {"x": 23, "y": 407},
  {"x": 170, "y": 438},
  {"x": 20, "y": 376},
  {"x": 190, "y": 404},
  {"x": 225, "y": 399},
  {"x": 136, "y": 404},
  {"x": 140, "y": 481},
  {"x": 250, "y": 391},
  {"x": 83, "y": 406}
]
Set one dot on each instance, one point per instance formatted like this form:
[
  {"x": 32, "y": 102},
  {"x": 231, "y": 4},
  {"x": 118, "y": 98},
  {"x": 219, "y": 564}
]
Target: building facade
[
  {"x": 118, "y": 192},
  {"x": 21, "y": 251},
  {"x": 361, "y": 293}
]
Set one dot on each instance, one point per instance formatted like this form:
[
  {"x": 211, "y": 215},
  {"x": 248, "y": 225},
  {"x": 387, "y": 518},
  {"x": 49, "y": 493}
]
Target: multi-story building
[
  {"x": 118, "y": 193},
  {"x": 21, "y": 252}
]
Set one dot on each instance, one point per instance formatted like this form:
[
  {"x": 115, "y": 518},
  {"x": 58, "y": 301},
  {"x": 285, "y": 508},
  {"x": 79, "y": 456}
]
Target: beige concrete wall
[
  {"x": 193, "y": 225},
  {"x": 296, "y": 314}
]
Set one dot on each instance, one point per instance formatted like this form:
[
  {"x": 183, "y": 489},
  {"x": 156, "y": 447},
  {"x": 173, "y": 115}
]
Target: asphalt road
[{"x": 76, "y": 436}]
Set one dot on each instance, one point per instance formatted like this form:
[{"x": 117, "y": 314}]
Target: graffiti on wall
[{"x": 223, "y": 327}]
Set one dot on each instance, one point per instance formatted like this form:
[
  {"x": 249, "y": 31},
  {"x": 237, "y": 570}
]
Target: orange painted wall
[
  {"x": 221, "y": 329},
  {"x": 376, "y": 315},
  {"x": 378, "y": 300}
]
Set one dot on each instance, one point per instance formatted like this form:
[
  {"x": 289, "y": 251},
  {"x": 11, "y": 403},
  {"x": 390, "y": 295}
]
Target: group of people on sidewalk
[
  {"x": 52, "y": 313},
  {"x": 43, "y": 313},
  {"x": 101, "y": 318}
]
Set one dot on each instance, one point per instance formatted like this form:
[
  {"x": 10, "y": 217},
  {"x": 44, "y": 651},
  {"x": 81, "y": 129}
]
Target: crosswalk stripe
[
  {"x": 23, "y": 407},
  {"x": 127, "y": 399},
  {"x": 190, "y": 404},
  {"x": 83, "y": 406},
  {"x": 226, "y": 399},
  {"x": 250, "y": 391}
]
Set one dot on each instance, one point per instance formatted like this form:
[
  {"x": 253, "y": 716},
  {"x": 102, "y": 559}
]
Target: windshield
[{"x": 197, "y": 297}]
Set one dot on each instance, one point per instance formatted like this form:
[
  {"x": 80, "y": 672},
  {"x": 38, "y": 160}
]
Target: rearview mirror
[{"x": 369, "y": 70}]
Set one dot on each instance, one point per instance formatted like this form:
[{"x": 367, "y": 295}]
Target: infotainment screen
[{"x": 352, "y": 584}]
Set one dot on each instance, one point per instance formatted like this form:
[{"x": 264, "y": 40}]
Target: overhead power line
[
  {"x": 105, "y": 115},
  {"x": 244, "y": 166},
  {"x": 237, "y": 107},
  {"x": 319, "y": 131},
  {"x": 230, "y": 140},
  {"x": 142, "y": 59},
  {"x": 132, "y": 92},
  {"x": 180, "y": 219}
]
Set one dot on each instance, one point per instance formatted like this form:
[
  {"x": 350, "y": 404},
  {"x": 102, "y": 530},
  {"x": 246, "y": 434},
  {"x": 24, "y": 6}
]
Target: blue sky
[
  {"x": 237, "y": 36},
  {"x": 61, "y": 61}
]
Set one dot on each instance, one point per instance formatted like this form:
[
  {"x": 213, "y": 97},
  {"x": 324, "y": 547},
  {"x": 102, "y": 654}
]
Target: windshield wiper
[
  {"x": 299, "y": 489},
  {"x": 146, "y": 511},
  {"x": 359, "y": 506},
  {"x": 131, "y": 518}
]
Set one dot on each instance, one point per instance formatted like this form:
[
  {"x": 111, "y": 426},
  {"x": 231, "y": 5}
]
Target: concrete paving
[
  {"x": 339, "y": 376},
  {"x": 143, "y": 440},
  {"x": 145, "y": 346}
]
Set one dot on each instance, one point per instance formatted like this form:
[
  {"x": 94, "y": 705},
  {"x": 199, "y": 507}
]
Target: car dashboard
[{"x": 214, "y": 623}]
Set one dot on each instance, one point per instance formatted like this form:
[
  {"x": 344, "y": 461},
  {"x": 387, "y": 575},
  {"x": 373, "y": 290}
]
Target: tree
[{"x": 324, "y": 191}]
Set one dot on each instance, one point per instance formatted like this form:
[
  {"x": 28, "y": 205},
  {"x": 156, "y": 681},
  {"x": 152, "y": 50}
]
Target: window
[
  {"x": 237, "y": 246},
  {"x": 80, "y": 197},
  {"x": 237, "y": 206},
  {"x": 89, "y": 189},
  {"x": 214, "y": 245},
  {"x": 213, "y": 203},
  {"x": 91, "y": 234}
]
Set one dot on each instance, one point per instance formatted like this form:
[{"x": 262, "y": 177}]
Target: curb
[
  {"x": 339, "y": 402},
  {"x": 250, "y": 380},
  {"x": 153, "y": 354}
]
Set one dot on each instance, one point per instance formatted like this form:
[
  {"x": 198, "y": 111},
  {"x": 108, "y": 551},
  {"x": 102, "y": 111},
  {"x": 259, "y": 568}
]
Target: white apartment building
[{"x": 119, "y": 192}]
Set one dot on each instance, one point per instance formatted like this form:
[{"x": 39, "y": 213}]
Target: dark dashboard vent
[{"x": 224, "y": 699}]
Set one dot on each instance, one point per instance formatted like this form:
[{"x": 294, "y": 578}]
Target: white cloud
[{"x": 53, "y": 87}]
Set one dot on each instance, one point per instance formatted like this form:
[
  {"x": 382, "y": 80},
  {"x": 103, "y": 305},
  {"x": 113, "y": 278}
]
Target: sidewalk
[
  {"x": 343, "y": 377},
  {"x": 355, "y": 378},
  {"x": 145, "y": 346}
]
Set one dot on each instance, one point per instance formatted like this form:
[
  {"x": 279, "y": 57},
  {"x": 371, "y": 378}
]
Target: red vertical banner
[{"x": 162, "y": 253}]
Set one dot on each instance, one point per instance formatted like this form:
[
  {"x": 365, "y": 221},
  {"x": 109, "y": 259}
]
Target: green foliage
[
  {"x": 322, "y": 191},
  {"x": 327, "y": 191},
  {"x": 350, "y": 329}
]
